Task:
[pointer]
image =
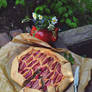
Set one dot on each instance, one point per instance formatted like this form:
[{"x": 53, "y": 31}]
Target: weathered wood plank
[{"x": 77, "y": 35}]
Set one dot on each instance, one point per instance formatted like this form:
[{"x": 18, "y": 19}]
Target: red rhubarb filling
[{"x": 39, "y": 70}]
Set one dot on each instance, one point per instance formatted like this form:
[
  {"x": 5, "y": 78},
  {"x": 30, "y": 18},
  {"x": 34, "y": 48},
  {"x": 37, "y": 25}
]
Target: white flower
[
  {"x": 40, "y": 17},
  {"x": 54, "y": 20},
  {"x": 34, "y": 16}
]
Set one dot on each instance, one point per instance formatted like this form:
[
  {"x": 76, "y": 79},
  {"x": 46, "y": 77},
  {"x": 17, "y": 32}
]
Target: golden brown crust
[
  {"x": 49, "y": 89},
  {"x": 31, "y": 39},
  {"x": 29, "y": 90},
  {"x": 65, "y": 68},
  {"x": 68, "y": 77},
  {"x": 14, "y": 72},
  {"x": 27, "y": 39}
]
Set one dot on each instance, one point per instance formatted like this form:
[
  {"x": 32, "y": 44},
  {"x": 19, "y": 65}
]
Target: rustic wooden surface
[{"x": 77, "y": 35}]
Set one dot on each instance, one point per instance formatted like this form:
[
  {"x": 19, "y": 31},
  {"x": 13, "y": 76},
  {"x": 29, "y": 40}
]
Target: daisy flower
[
  {"x": 40, "y": 17},
  {"x": 54, "y": 20},
  {"x": 34, "y": 16}
]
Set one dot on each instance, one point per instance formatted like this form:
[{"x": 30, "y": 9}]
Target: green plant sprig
[{"x": 69, "y": 57}]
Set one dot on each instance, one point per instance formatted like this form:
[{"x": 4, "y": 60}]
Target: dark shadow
[
  {"x": 89, "y": 86},
  {"x": 84, "y": 49}
]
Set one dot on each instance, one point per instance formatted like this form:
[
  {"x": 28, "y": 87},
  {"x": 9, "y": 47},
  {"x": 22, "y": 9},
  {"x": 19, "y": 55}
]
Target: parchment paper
[{"x": 19, "y": 44}]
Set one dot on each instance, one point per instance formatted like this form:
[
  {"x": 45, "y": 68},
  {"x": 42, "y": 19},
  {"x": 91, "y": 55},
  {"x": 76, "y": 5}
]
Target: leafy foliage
[
  {"x": 3, "y": 3},
  {"x": 69, "y": 12},
  {"x": 66, "y": 10},
  {"x": 20, "y": 2},
  {"x": 43, "y": 9},
  {"x": 59, "y": 8}
]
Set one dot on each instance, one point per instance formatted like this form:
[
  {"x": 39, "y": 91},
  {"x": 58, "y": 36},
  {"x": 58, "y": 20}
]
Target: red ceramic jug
[{"x": 44, "y": 34}]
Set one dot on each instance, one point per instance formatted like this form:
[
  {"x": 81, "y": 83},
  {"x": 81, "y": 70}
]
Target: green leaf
[
  {"x": 42, "y": 10},
  {"x": 68, "y": 21},
  {"x": 65, "y": 15},
  {"x": 58, "y": 5},
  {"x": 0, "y": 4},
  {"x": 26, "y": 19},
  {"x": 69, "y": 57},
  {"x": 82, "y": 10},
  {"x": 73, "y": 25},
  {"x": 62, "y": 20},
  {"x": 75, "y": 19},
  {"x": 70, "y": 12},
  {"x": 52, "y": 5},
  {"x": 4, "y": 3},
  {"x": 65, "y": 55},
  {"x": 39, "y": 10},
  {"x": 47, "y": 10},
  {"x": 20, "y": 2},
  {"x": 33, "y": 34},
  {"x": 17, "y": 2},
  {"x": 61, "y": 10}
]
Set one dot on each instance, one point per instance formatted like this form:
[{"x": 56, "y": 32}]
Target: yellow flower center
[
  {"x": 54, "y": 20},
  {"x": 34, "y": 15},
  {"x": 40, "y": 17}
]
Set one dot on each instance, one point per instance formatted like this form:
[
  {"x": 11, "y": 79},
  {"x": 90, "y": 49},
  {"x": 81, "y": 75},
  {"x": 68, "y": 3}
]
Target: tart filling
[{"x": 40, "y": 70}]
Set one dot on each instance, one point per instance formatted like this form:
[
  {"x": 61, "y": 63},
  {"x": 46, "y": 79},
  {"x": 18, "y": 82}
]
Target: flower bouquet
[{"x": 44, "y": 27}]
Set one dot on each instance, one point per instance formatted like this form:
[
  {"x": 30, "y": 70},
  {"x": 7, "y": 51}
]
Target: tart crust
[
  {"x": 65, "y": 68},
  {"x": 49, "y": 89}
]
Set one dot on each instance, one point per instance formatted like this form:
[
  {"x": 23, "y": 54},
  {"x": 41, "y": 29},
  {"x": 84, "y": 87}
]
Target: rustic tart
[{"x": 41, "y": 70}]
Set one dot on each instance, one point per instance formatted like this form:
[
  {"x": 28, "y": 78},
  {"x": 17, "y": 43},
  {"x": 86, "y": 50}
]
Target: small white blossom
[
  {"x": 54, "y": 20},
  {"x": 34, "y": 16},
  {"x": 40, "y": 17}
]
